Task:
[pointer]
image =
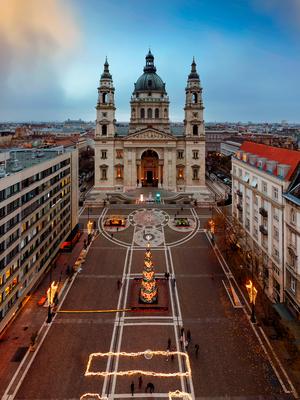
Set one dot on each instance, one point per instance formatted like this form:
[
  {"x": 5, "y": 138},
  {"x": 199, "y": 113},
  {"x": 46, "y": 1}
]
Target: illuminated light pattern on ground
[
  {"x": 178, "y": 393},
  {"x": 92, "y": 395},
  {"x": 188, "y": 373}
]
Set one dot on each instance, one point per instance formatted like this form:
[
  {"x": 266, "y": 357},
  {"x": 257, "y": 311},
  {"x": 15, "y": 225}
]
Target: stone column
[
  {"x": 160, "y": 173},
  {"x": 138, "y": 173}
]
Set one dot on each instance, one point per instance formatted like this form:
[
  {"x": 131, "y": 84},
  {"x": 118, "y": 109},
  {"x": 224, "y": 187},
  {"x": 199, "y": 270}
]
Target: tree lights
[{"x": 148, "y": 292}]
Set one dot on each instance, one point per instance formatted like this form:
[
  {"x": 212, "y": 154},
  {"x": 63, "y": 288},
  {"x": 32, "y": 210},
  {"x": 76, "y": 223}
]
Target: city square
[{"x": 230, "y": 362}]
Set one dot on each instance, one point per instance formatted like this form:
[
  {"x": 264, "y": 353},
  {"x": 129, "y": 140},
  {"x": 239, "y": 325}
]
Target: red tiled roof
[{"x": 282, "y": 156}]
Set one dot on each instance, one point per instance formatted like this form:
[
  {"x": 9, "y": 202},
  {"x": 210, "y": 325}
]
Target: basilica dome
[{"x": 149, "y": 81}]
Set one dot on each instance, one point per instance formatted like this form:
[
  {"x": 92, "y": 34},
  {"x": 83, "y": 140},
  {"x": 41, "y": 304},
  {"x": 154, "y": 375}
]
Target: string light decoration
[
  {"x": 92, "y": 356},
  {"x": 172, "y": 395},
  {"x": 148, "y": 293},
  {"x": 178, "y": 393}
]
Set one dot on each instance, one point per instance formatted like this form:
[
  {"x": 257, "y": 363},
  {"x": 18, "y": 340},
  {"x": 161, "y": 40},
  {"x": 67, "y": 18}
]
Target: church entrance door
[{"x": 149, "y": 172}]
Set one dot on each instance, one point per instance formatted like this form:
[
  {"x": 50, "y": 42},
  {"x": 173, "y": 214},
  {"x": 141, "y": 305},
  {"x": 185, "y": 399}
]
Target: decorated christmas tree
[{"x": 148, "y": 293}]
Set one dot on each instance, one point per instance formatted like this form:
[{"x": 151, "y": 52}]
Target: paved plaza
[{"x": 93, "y": 355}]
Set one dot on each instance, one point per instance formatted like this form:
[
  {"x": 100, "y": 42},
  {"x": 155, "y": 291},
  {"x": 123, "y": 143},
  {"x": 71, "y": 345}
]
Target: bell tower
[
  {"x": 105, "y": 122},
  {"x": 193, "y": 122}
]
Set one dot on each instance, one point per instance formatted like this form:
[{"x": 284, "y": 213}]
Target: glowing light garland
[
  {"x": 188, "y": 373},
  {"x": 172, "y": 395},
  {"x": 178, "y": 393}
]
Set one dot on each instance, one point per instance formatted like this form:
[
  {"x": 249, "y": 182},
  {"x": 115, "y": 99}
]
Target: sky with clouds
[{"x": 247, "y": 53}]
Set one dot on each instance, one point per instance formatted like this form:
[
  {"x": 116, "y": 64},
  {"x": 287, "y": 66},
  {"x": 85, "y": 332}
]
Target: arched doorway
[{"x": 149, "y": 168}]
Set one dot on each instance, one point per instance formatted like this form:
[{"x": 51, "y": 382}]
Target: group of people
[
  {"x": 185, "y": 341},
  {"x": 149, "y": 386}
]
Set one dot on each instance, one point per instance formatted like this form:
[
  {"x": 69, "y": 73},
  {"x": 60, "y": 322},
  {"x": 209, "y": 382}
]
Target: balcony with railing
[
  {"x": 263, "y": 230},
  {"x": 263, "y": 212}
]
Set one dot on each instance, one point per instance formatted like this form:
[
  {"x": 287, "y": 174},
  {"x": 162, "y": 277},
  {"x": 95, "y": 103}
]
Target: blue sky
[{"x": 247, "y": 54}]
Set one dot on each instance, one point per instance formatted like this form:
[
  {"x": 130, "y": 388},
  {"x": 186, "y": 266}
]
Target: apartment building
[
  {"x": 38, "y": 210},
  {"x": 261, "y": 175},
  {"x": 292, "y": 245}
]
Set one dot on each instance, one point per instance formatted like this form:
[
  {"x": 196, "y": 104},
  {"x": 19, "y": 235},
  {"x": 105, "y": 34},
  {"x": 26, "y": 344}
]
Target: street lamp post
[
  {"x": 49, "y": 318},
  {"x": 252, "y": 291}
]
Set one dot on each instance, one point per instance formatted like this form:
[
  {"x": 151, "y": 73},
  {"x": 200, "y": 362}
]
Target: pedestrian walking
[
  {"x": 119, "y": 284},
  {"x": 132, "y": 388},
  {"x": 181, "y": 340},
  {"x": 196, "y": 349},
  {"x": 168, "y": 353},
  {"x": 166, "y": 275},
  {"x": 140, "y": 381},
  {"x": 181, "y": 331},
  {"x": 186, "y": 345},
  {"x": 169, "y": 343},
  {"x": 112, "y": 235},
  {"x": 188, "y": 335},
  {"x": 147, "y": 387},
  {"x": 174, "y": 282},
  {"x": 117, "y": 229},
  {"x": 151, "y": 387}
]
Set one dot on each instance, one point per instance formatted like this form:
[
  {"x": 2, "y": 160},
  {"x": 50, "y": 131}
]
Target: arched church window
[
  {"x": 195, "y": 98},
  {"x": 156, "y": 113},
  {"x": 195, "y": 130},
  {"x": 165, "y": 113},
  {"x": 149, "y": 113},
  {"x": 142, "y": 113},
  {"x": 104, "y": 130},
  {"x": 104, "y": 98}
]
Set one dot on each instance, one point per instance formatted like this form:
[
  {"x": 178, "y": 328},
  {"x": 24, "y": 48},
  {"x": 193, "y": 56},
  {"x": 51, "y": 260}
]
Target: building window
[
  {"x": 293, "y": 285},
  {"x": 195, "y": 130},
  {"x": 180, "y": 154},
  {"x": 119, "y": 153},
  {"x": 104, "y": 130},
  {"x": 149, "y": 113},
  {"x": 275, "y": 193},
  {"x": 264, "y": 187},
  {"x": 240, "y": 172},
  {"x": 254, "y": 182},
  {"x": 246, "y": 177},
  {"x": 103, "y": 174},
  {"x": 195, "y": 174},
  {"x": 104, "y": 98},
  {"x": 156, "y": 113},
  {"x": 180, "y": 173},
  {"x": 119, "y": 172},
  {"x": 276, "y": 214},
  {"x": 195, "y": 98},
  {"x": 293, "y": 216},
  {"x": 142, "y": 113},
  {"x": 103, "y": 154},
  {"x": 195, "y": 154},
  {"x": 104, "y": 114},
  {"x": 256, "y": 200},
  {"x": 276, "y": 233}
]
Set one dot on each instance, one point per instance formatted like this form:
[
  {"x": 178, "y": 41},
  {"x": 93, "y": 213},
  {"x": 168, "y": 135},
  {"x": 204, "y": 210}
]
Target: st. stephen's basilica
[{"x": 150, "y": 152}]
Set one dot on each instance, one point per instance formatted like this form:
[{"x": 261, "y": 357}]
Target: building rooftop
[
  {"x": 19, "y": 159},
  {"x": 279, "y": 156}
]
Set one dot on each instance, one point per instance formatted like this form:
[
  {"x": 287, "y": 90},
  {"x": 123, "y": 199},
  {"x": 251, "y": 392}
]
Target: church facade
[{"x": 149, "y": 153}]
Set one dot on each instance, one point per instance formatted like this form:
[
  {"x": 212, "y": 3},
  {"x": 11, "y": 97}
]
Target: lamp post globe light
[{"x": 252, "y": 291}]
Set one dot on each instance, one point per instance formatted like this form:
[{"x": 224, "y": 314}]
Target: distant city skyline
[{"x": 247, "y": 54}]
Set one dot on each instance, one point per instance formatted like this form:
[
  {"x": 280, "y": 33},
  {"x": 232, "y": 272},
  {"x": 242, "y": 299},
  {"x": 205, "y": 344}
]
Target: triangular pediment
[{"x": 150, "y": 134}]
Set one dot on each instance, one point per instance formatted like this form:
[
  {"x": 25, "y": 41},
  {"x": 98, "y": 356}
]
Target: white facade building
[
  {"x": 260, "y": 176},
  {"x": 38, "y": 210},
  {"x": 292, "y": 246},
  {"x": 149, "y": 154}
]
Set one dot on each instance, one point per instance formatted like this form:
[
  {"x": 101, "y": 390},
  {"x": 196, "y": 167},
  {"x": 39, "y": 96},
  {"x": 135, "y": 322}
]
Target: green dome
[{"x": 149, "y": 81}]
